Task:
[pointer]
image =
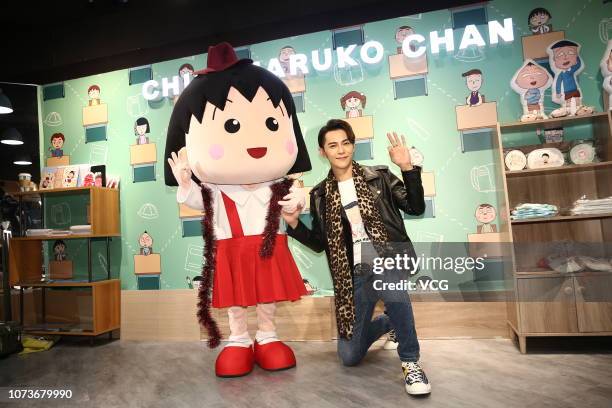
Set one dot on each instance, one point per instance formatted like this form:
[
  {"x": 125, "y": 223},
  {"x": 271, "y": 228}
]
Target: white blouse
[{"x": 252, "y": 206}]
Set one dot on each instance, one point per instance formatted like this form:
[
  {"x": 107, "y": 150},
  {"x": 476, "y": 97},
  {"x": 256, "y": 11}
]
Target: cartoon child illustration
[
  {"x": 186, "y": 69},
  {"x": 94, "y": 95},
  {"x": 88, "y": 180},
  {"x": 606, "y": 72},
  {"x": 98, "y": 179},
  {"x": 531, "y": 81},
  {"x": 146, "y": 243},
  {"x": 141, "y": 128},
  {"x": 69, "y": 178},
  {"x": 46, "y": 182},
  {"x": 565, "y": 61},
  {"x": 400, "y": 35},
  {"x": 539, "y": 21},
  {"x": 485, "y": 215},
  {"x": 545, "y": 158},
  {"x": 283, "y": 56},
  {"x": 59, "y": 250},
  {"x": 353, "y": 103},
  {"x": 473, "y": 80},
  {"x": 237, "y": 112},
  {"x": 57, "y": 141}
]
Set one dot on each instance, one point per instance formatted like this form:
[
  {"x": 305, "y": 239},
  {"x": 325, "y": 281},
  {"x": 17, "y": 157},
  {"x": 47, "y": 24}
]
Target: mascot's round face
[{"x": 247, "y": 142}]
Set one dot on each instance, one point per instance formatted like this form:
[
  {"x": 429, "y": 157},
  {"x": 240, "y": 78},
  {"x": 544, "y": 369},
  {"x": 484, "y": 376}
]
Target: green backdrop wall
[{"x": 462, "y": 180}]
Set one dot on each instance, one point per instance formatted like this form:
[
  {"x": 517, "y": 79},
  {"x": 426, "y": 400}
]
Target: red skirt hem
[{"x": 243, "y": 278}]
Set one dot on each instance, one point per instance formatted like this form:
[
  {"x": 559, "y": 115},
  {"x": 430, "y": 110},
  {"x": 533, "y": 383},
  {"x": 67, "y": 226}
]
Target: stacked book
[
  {"x": 597, "y": 206},
  {"x": 37, "y": 232},
  {"x": 533, "y": 210}
]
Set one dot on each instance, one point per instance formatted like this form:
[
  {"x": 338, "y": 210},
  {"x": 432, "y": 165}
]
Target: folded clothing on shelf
[
  {"x": 568, "y": 264},
  {"x": 35, "y": 232},
  {"x": 533, "y": 210},
  {"x": 60, "y": 232},
  {"x": 597, "y": 206},
  {"x": 80, "y": 229}
]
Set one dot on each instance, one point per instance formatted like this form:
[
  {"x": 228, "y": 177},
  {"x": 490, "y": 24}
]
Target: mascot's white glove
[{"x": 295, "y": 200}]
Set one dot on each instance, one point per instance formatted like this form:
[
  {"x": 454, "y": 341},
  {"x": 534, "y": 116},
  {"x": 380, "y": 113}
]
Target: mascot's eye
[
  {"x": 232, "y": 125},
  {"x": 272, "y": 124}
]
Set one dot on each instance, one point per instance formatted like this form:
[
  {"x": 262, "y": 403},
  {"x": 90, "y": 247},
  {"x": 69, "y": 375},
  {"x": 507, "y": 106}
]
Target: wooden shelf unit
[
  {"x": 106, "y": 306},
  {"x": 26, "y": 259},
  {"x": 545, "y": 302}
]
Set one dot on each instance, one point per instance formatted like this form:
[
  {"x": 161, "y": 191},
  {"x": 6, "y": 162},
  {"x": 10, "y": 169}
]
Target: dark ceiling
[{"x": 58, "y": 40}]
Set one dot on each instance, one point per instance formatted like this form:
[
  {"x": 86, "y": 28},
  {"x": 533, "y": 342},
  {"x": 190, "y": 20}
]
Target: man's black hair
[
  {"x": 214, "y": 87},
  {"x": 336, "y": 124}
]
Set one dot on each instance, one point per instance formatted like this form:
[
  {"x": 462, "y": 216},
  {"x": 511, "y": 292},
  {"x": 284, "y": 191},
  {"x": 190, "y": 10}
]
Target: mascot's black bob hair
[{"x": 214, "y": 87}]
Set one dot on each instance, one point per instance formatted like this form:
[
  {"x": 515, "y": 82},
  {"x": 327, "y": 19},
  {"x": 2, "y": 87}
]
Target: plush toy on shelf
[
  {"x": 233, "y": 139},
  {"x": 565, "y": 61},
  {"x": 530, "y": 82}
]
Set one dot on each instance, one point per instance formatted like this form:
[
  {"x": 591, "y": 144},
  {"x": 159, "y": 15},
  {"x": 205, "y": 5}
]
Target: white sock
[
  {"x": 263, "y": 337},
  {"x": 241, "y": 340}
]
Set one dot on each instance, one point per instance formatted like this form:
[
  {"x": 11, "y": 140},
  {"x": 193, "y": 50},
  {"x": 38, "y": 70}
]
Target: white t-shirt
[{"x": 348, "y": 197}]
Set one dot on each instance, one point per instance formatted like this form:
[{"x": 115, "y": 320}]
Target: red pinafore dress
[{"x": 243, "y": 278}]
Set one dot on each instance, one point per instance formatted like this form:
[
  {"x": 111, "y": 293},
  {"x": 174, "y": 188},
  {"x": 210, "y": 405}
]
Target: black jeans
[{"x": 366, "y": 331}]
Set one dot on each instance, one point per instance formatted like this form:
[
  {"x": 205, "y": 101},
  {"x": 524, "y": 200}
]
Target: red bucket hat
[{"x": 221, "y": 57}]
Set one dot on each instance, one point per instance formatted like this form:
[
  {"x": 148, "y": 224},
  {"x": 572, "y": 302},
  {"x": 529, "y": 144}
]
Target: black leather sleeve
[
  {"x": 408, "y": 195},
  {"x": 314, "y": 238}
]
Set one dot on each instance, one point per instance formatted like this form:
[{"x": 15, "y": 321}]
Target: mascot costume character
[{"x": 233, "y": 139}]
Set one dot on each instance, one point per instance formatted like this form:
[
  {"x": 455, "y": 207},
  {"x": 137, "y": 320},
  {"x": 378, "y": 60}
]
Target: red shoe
[
  {"x": 274, "y": 356},
  {"x": 234, "y": 361}
]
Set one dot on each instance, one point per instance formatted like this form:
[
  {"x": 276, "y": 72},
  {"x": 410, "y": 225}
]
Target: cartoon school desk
[
  {"x": 143, "y": 158},
  {"x": 147, "y": 269},
  {"x": 428, "y": 180},
  {"x": 58, "y": 161},
  {"x": 534, "y": 46},
  {"x": 60, "y": 269},
  {"x": 476, "y": 125},
  {"x": 191, "y": 221},
  {"x": 409, "y": 75},
  {"x": 297, "y": 87},
  {"x": 363, "y": 126},
  {"x": 489, "y": 244},
  {"x": 95, "y": 118}
]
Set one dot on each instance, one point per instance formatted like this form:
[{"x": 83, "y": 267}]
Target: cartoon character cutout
[
  {"x": 473, "y": 80},
  {"x": 93, "y": 92},
  {"x": 88, "y": 179},
  {"x": 530, "y": 82},
  {"x": 98, "y": 179},
  {"x": 57, "y": 142},
  {"x": 284, "y": 57},
  {"x": 141, "y": 129},
  {"x": 400, "y": 35},
  {"x": 69, "y": 178},
  {"x": 565, "y": 61},
  {"x": 606, "y": 72},
  {"x": 235, "y": 130},
  {"x": 485, "y": 214},
  {"x": 539, "y": 21},
  {"x": 146, "y": 243},
  {"x": 186, "y": 70},
  {"x": 353, "y": 104},
  {"x": 59, "y": 250}
]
